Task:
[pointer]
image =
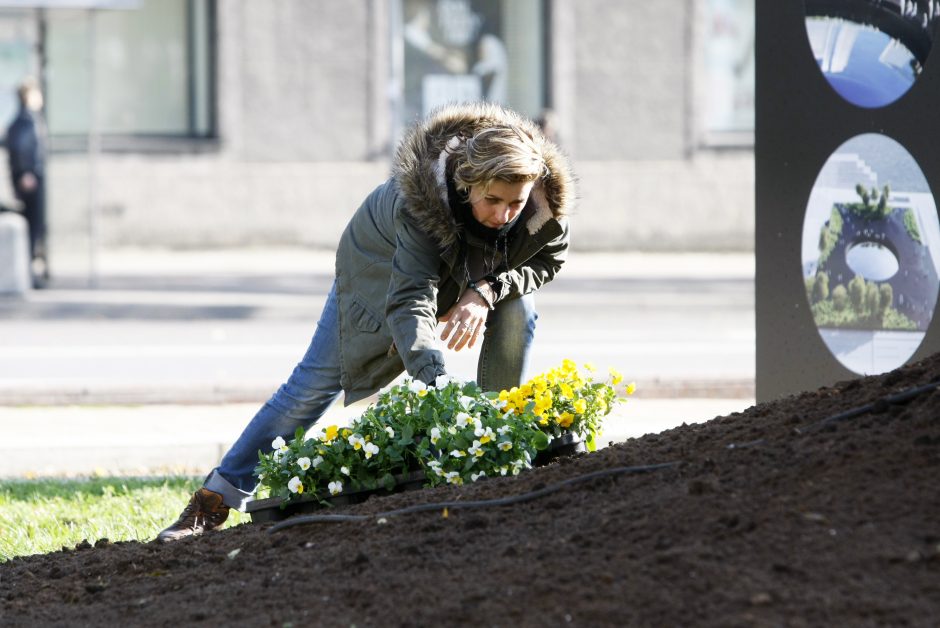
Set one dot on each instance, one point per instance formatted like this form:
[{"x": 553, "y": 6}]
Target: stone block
[{"x": 14, "y": 254}]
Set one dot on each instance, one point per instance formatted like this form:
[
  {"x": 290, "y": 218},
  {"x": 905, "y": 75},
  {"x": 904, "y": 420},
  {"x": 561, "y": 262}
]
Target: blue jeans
[{"x": 315, "y": 384}]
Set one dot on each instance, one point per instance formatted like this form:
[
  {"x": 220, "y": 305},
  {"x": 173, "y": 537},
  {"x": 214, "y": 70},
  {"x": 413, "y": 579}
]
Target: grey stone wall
[
  {"x": 305, "y": 123},
  {"x": 632, "y": 60}
]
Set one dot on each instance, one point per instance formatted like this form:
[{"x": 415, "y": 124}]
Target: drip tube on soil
[
  {"x": 894, "y": 399},
  {"x": 485, "y": 503}
]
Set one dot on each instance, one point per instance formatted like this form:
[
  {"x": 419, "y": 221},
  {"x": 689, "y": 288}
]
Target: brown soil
[{"x": 761, "y": 524}]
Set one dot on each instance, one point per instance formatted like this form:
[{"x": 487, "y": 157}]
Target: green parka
[{"x": 400, "y": 262}]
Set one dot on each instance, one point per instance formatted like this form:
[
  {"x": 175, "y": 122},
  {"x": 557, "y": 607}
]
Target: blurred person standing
[{"x": 26, "y": 147}]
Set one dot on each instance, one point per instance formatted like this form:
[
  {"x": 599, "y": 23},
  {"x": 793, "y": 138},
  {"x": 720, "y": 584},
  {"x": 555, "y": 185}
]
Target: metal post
[{"x": 94, "y": 148}]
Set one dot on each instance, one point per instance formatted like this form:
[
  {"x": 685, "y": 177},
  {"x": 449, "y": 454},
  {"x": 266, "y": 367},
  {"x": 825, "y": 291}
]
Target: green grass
[{"x": 39, "y": 516}]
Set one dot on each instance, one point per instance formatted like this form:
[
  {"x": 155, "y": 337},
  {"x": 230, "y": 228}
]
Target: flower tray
[
  {"x": 560, "y": 446},
  {"x": 271, "y": 509}
]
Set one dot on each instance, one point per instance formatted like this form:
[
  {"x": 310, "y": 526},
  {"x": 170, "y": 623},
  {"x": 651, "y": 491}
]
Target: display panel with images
[
  {"x": 471, "y": 50},
  {"x": 869, "y": 254},
  {"x": 871, "y": 51},
  {"x": 728, "y": 57}
]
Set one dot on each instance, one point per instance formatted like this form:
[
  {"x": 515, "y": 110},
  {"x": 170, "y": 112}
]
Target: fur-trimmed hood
[{"x": 420, "y": 162}]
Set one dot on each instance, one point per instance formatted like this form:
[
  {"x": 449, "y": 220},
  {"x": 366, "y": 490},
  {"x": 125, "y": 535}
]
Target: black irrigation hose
[
  {"x": 484, "y": 503},
  {"x": 897, "y": 398}
]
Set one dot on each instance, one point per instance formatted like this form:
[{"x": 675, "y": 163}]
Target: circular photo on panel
[
  {"x": 869, "y": 254},
  {"x": 871, "y": 51}
]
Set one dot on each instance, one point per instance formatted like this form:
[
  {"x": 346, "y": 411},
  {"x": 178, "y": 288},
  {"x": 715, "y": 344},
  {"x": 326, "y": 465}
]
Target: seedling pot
[
  {"x": 277, "y": 509},
  {"x": 560, "y": 446}
]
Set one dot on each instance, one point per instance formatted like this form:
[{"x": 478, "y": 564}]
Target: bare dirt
[{"x": 770, "y": 518}]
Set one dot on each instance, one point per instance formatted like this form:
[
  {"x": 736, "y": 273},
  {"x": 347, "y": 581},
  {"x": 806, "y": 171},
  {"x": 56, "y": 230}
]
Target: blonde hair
[{"x": 499, "y": 153}]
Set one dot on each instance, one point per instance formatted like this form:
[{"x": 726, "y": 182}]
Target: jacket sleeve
[
  {"x": 23, "y": 148},
  {"x": 535, "y": 272},
  {"x": 411, "y": 307}
]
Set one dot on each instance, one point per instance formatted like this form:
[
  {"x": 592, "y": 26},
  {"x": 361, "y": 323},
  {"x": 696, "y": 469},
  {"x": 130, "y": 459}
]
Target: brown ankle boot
[{"x": 204, "y": 512}]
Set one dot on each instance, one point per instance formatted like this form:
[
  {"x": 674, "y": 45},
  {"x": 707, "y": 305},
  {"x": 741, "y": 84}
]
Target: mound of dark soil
[{"x": 770, "y": 518}]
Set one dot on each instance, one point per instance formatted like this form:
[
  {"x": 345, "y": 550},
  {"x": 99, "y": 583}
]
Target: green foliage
[
  {"x": 857, "y": 294},
  {"x": 886, "y": 296},
  {"x": 872, "y": 300},
  {"x": 829, "y": 235},
  {"x": 874, "y": 310},
  {"x": 910, "y": 224},
  {"x": 39, "y": 516},
  {"x": 453, "y": 431},
  {"x": 820, "y": 287},
  {"x": 840, "y": 299},
  {"x": 873, "y": 205}
]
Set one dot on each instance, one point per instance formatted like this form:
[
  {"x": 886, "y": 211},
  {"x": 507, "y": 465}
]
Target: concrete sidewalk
[
  {"x": 154, "y": 439},
  {"x": 163, "y": 363}
]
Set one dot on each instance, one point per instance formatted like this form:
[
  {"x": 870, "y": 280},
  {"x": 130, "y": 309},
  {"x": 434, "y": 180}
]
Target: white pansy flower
[
  {"x": 466, "y": 402},
  {"x": 502, "y": 431},
  {"x": 453, "y": 477},
  {"x": 452, "y": 429},
  {"x": 316, "y": 462},
  {"x": 435, "y": 435},
  {"x": 457, "y": 453},
  {"x": 476, "y": 449},
  {"x": 509, "y": 414},
  {"x": 416, "y": 386},
  {"x": 390, "y": 431},
  {"x": 436, "y": 467},
  {"x": 295, "y": 485},
  {"x": 462, "y": 419},
  {"x": 356, "y": 441},
  {"x": 476, "y": 476},
  {"x": 278, "y": 454},
  {"x": 303, "y": 463},
  {"x": 499, "y": 404},
  {"x": 503, "y": 470},
  {"x": 336, "y": 487},
  {"x": 442, "y": 380},
  {"x": 278, "y": 443},
  {"x": 505, "y": 445},
  {"x": 344, "y": 470},
  {"x": 370, "y": 449}
]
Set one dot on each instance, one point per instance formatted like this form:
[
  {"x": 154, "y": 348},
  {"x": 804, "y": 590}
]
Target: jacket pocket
[{"x": 361, "y": 318}]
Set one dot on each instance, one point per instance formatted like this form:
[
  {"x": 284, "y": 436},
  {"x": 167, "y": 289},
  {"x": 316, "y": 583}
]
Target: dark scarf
[{"x": 493, "y": 240}]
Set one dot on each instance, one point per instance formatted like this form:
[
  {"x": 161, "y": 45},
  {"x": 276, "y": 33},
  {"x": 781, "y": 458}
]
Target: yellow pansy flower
[
  {"x": 580, "y": 405},
  {"x": 616, "y": 376},
  {"x": 331, "y": 433},
  {"x": 566, "y": 419}
]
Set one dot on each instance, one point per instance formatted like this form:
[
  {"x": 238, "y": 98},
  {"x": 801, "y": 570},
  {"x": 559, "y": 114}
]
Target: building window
[
  {"x": 153, "y": 73},
  {"x": 727, "y": 91},
  {"x": 471, "y": 50}
]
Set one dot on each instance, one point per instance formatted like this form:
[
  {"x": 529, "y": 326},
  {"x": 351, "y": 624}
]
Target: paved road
[
  {"x": 164, "y": 331},
  {"x": 161, "y": 365}
]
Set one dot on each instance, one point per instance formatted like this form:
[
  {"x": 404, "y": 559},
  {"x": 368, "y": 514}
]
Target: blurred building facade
[{"x": 236, "y": 122}]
